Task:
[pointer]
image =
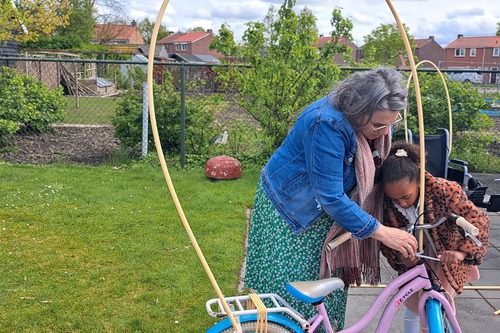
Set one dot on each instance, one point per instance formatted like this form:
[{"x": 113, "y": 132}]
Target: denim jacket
[{"x": 312, "y": 172}]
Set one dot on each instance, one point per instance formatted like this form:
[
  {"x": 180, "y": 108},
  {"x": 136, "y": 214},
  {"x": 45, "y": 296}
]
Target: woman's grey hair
[{"x": 362, "y": 93}]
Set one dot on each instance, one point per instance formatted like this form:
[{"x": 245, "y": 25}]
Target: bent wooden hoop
[{"x": 166, "y": 174}]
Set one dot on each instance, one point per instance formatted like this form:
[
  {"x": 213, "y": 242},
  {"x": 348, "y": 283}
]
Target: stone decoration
[{"x": 223, "y": 167}]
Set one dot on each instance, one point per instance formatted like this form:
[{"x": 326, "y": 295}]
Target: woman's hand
[
  {"x": 452, "y": 257},
  {"x": 398, "y": 240}
]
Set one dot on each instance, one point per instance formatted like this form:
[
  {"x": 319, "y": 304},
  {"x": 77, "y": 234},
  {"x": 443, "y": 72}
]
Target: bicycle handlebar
[
  {"x": 466, "y": 225},
  {"x": 470, "y": 230},
  {"x": 338, "y": 240}
]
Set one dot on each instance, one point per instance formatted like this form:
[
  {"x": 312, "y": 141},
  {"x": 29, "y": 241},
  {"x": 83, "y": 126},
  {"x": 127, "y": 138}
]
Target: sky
[{"x": 443, "y": 19}]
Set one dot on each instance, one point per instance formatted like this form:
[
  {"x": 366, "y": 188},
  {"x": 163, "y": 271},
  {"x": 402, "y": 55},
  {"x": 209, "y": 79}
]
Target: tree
[
  {"x": 498, "y": 29},
  {"x": 79, "y": 31},
  {"x": 224, "y": 42},
  {"x": 342, "y": 28},
  {"x": 384, "y": 44},
  {"x": 81, "y": 22},
  {"x": 287, "y": 71},
  {"x": 110, "y": 11},
  {"x": 24, "y": 20},
  {"x": 146, "y": 28},
  {"x": 196, "y": 29}
]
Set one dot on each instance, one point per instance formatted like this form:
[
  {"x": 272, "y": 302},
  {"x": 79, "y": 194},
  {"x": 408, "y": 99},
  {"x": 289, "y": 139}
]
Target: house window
[
  {"x": 176, "y": 47},
  {"x": 184, "y": 47},
  {"x": 496, "y": 51},
  {"x": 459, "y": 52},
  {"x": 472, "y": 52}
]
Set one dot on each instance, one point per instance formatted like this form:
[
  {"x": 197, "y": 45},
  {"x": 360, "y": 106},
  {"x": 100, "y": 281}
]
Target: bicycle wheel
[
  {"x": 251, "y": 326},
  {"x": 446, "y": 323},
  {"x": 437, "y": 318}
]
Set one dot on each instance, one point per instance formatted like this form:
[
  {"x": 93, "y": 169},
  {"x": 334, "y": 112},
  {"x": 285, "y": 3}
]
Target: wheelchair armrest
[
  {"x": 493, "y": 203},
  {"x": 459, "y": 162}
]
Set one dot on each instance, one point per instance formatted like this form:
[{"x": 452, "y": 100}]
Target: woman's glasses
[{"x": 379, "y": 128}]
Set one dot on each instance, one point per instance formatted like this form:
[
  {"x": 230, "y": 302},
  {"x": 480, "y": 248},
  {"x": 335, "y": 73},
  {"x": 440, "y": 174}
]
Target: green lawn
[
  {"x": 103, "y": 249},
  {"x": 90, "y": 110}
]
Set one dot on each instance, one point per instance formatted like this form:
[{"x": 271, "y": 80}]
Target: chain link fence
[{"x": 94, "y": 90}]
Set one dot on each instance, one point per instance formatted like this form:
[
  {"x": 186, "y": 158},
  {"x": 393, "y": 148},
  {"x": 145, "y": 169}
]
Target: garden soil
[{"x": 81, "y": 144}]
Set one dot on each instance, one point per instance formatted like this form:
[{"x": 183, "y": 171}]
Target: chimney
[
  {"x": 210, "y": 31},
  {"x": 431, "y": 37},
  {"x": 320, "y": 36},
  {"x": 134, "y": 23},
  {"x": 459, "y": 36}
]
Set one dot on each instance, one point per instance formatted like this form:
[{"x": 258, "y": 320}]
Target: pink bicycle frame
[{"x": 405, "y": 285}]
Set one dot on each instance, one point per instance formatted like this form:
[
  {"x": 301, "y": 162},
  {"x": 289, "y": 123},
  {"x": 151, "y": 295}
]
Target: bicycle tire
[
  {"x": 436, "y": 317},
  {"x": 251, "y": 326},
  {"x": 446, "y": 323}
]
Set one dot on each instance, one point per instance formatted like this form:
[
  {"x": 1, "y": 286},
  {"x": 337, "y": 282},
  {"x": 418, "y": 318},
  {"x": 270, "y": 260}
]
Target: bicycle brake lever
[
  {"x": 427, "y": 257},
  {"x": 466, "y": 234},
  {"x": 474, "y": 239}
]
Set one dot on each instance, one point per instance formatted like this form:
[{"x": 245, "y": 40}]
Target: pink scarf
[{"x": 356, "y": 258}]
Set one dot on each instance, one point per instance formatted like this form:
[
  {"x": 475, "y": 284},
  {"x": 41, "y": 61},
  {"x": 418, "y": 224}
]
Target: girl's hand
[
  {"x": 407, "y": 261},
  {"x": 452, "y": 257}
]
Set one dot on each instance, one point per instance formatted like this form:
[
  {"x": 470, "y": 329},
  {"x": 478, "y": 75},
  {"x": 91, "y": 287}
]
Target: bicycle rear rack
[{"x": 243, "y": 305}]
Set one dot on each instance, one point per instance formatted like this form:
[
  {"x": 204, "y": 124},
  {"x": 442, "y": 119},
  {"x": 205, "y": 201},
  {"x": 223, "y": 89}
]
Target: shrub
[
  {"x": 27, "y": 104},
  {"x": 466, "y": 104},
  {"x": 201, "y": 128},
  {"x": 245, "y": 142}
]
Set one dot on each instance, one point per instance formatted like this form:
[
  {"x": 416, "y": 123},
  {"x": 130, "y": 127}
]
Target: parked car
[{"x": 472, "y": 77}]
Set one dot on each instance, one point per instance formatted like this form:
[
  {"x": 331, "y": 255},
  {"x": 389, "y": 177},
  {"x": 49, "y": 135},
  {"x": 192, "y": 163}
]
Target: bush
[
  {"x": 201, "y": 128},
  {"x": 27, "y": 104},
  {"x": 55, "y": 43},
  {"x": 466, "y": 104},
  {"x": 245, "y": 142}
]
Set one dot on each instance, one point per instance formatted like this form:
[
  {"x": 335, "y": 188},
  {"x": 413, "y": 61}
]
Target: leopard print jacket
[{"x": 441, "y": 197}]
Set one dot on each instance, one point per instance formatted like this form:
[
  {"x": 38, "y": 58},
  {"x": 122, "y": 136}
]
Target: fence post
[
  {"x": 145, "y": 119},
  {"x": 183, "y": 115},
  {"x": 76, "y": 86}
]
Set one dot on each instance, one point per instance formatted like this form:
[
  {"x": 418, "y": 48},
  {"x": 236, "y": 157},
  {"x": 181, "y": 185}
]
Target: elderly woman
[{"x": 317, "y": 182}]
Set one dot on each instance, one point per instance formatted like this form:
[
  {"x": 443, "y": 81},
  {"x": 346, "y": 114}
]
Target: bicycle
[{"x": 435, "y": 311}]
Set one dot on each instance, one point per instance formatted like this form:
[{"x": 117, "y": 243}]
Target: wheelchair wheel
[
  {"x": 437, "y": 318},
  {"x": 251, "y": 327}
]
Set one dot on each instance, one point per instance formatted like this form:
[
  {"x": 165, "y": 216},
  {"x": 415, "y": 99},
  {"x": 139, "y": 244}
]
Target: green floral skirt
[{"x": 276, "y": 256}]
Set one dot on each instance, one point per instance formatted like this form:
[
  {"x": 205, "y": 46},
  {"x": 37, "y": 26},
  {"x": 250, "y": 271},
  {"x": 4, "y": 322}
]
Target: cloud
[
  {"x": 249, "y": 11},
  {"x": 423, "y": 17},
  {"x": 465, "y": 12}
]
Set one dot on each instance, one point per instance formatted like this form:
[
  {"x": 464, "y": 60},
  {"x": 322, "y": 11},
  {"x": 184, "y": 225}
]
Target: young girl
[{"x": 399, "y": 178}]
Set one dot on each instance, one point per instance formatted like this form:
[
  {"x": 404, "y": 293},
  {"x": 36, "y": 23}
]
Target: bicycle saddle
[{"x": 313, "y": 291}]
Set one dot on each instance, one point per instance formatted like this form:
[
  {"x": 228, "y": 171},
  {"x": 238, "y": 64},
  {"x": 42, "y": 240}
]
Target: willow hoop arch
[
  {"x": 169, "y": 180},
  {"x": 450, "y": 117},
  {"x": 418, "y": 97},
  {"x": 166, "y": 174}
]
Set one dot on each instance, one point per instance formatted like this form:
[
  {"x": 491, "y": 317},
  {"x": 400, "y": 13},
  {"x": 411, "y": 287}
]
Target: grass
[
  {"x": 90, "y": 110},
  {"x": 103, "y": 249}
]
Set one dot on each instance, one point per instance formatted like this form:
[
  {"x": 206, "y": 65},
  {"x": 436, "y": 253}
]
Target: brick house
[
  {"x": 428, "y": 49},
  {"x": 117, "y": 34},
  {"x": 338, "y": 59},
  {"x": 474, "y": 53},
  {"x": 192, "y": 43}
]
